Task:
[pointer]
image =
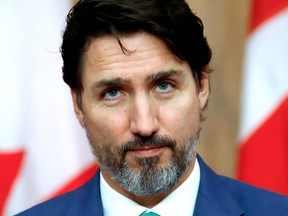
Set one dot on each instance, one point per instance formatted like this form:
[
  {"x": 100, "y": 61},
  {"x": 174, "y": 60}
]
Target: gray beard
[{"x": 150, "y": 179}]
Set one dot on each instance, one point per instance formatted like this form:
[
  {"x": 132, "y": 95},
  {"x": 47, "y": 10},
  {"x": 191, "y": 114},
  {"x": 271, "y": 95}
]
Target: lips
[{"x": 147, "y": 151}]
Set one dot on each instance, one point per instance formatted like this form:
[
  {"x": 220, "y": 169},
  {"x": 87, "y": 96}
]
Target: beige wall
[{"x": 225, "y": 24}]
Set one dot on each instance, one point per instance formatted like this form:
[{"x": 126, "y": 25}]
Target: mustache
[{"x": 151, "y": 141}]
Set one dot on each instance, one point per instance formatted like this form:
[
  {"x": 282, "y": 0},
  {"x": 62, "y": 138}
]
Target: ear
[
  {"x": 203, "y": 92},
  {"x": 77, "y": 107}
]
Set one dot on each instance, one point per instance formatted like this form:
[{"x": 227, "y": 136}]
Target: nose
[{"x": 144, "y": 116}]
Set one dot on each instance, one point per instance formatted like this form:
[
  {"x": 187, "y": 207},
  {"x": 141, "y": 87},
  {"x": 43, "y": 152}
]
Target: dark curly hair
[{"x": 170, "y": 20}]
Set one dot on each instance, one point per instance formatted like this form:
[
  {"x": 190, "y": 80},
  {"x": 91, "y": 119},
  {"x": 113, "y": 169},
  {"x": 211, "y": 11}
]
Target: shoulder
[
  {"x": 227, "y": 195},
  {"x": 81, "y": 201},
  {"x": 256, "y": 199},
  {"x": 251, "y": 196}
]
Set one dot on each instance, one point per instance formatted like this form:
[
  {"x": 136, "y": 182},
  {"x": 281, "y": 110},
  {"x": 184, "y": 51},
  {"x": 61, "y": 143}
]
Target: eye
[
  {"x": 164, "y": 87},
  {"x": 112, "y": 94}
]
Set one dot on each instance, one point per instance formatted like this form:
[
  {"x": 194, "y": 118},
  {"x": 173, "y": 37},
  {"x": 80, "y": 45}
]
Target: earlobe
[
  {"x": 204, "y": 92},
  {"x": 77, "y": 107}
]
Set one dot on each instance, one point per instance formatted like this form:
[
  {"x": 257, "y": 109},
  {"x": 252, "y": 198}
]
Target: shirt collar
[{"x": 180, "y": 202}]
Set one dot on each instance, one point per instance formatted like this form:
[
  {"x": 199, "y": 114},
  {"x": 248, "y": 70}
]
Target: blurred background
[
  {"x": 226, "y": 27},
  {"x": 43, "y": 149}
]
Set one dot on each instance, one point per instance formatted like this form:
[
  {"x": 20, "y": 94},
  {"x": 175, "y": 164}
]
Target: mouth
[{"x": 147, "y": 151}]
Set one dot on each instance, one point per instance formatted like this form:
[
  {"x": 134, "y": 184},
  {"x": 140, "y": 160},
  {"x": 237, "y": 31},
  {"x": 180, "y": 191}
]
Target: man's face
[{"x": 141, "y": 112}]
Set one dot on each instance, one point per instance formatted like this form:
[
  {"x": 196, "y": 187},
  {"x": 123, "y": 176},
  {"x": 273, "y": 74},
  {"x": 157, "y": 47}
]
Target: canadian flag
[
  {"x": 43, "y": 150},
  {"x": 263, "y": 155}
]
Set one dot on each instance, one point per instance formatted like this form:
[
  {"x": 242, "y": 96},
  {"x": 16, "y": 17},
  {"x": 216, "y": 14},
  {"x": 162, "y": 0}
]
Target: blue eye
[
  {"x": 112, "y": 94},
  {"x": 164, "y": 87}
]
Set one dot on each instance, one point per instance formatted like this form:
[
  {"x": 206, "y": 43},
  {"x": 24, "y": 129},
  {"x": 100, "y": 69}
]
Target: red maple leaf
[{"x": 10, "y": 164}]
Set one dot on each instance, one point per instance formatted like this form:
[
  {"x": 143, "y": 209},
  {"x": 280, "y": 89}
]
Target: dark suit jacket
[{"x": 217, "y": 196}]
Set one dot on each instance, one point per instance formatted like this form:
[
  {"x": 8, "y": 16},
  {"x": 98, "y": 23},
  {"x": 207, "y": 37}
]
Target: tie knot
[{"x": 146, "y": 213}]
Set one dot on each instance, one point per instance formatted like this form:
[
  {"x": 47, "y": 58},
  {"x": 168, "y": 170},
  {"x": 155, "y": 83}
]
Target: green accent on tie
[{"x": 148, "y": 214}]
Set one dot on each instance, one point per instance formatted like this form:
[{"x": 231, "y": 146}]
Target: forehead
[
  {"x": 147, "y": 54},
  {"x": 133, "y": 43}
]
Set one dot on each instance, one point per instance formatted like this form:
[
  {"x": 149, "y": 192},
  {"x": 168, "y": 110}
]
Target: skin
[{"x": 149, "y": 91}]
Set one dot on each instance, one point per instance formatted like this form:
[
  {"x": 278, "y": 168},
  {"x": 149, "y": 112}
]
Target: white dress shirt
[{"x": 180, "y": 202}]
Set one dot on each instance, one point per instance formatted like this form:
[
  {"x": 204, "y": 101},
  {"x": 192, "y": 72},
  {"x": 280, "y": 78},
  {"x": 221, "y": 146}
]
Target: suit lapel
[
  {"x": 213, "y": 198},
  {"x": 94, "y": 197}
]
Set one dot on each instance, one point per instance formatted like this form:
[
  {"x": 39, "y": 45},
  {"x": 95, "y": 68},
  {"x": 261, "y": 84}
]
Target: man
[{"x": 138, "y": 73}]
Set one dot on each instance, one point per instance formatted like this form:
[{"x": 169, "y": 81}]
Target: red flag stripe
[
  {"x": 262, "y": 10},
  {"x": 77, "y": 181},
  {"x": 10, "y": 166},
  {"x": 262, "y": 162}
]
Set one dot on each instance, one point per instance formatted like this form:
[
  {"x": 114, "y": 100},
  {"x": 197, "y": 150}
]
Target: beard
[{"x": 151, "y": 178}]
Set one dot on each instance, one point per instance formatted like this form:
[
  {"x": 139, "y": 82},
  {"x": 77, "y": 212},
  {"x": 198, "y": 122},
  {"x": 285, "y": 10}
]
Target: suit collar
[
  {"x": 94, "y": 196},
  {"x": 213, "y": 197}
]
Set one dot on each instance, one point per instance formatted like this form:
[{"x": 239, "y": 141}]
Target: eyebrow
[
  {"x": 163, "y": 74},
  {"x": 112, "y": 82},
  {"x": 118, "y": 81}
]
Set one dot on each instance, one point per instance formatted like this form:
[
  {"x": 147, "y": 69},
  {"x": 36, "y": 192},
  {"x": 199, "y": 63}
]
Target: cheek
[
  {"x": 106, "y": 127},
  {"x": 181, "y": 119}
]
